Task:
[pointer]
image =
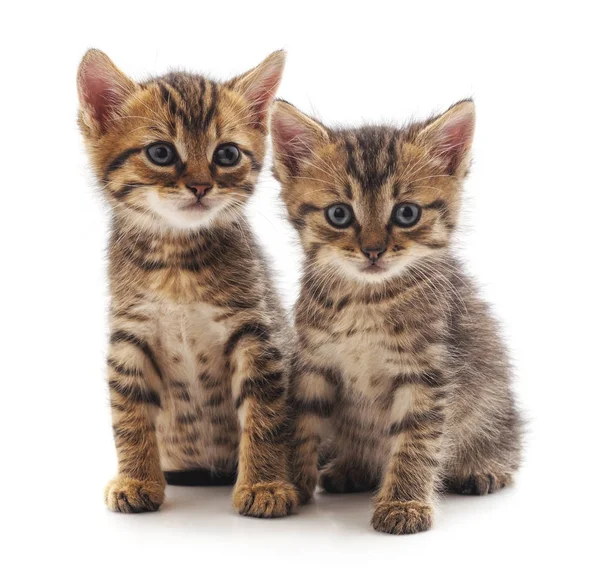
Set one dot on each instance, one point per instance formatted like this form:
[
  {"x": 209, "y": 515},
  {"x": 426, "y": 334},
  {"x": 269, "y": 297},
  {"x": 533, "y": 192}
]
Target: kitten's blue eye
[
  {"x": 227, "y": 155},
  {"x": 161, "y": 153},
  {"x": 406, "y": 214},
  {"x": 340, "y": 215}
]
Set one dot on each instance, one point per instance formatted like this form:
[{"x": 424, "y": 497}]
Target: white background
[{"x": 530, "y": 234}]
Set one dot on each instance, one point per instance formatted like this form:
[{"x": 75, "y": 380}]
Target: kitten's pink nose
[
  {"x": 199, "y": 189},
  {"x": 373, "y": 253}
]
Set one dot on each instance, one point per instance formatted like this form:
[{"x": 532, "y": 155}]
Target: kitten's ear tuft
[
  {"x": 449, "y": 137},
  {"x": 102, "y": 89},
  {"x": 295, "y": 136},
  {"x": 260, "y": 84}
]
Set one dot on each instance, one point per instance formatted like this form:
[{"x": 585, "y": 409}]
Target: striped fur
[
  {"x": 400, "y": 382},
  {"x": 197, "y": 364}
]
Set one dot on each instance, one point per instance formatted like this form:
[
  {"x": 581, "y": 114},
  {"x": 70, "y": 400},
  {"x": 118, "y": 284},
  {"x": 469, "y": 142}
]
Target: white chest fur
[
  {"x": 357, "y": 348},
  {"x": 188, "y": 336}
]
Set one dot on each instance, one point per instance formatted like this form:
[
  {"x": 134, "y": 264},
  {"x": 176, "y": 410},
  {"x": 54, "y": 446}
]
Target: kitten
[
  {"x": 197, "y": 363},
  {"x": 400, "y": 373}
]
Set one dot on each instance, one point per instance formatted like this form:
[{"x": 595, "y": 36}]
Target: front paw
[
  {"x": 402, "y": 517},
  {"x": 265, "y": 499},
  {"x": 129, "y": 495}
]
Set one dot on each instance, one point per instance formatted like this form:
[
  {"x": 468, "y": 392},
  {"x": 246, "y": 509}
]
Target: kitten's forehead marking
[
  {"x": 372, "y": 164},
  {"x": 191, "y": 99},
  {"x": 372, "y": 159},
  {"x": 197, "y": 113}
]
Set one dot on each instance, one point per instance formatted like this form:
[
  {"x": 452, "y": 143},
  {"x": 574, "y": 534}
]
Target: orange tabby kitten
[{"x": 198, "y": 359}]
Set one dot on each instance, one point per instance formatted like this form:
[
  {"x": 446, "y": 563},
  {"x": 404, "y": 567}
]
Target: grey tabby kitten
[{"x": 400, "y": 380}]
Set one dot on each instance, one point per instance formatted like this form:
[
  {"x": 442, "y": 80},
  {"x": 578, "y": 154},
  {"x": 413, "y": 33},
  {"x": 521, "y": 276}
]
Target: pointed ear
[
  {"x": 295, "y": 136},
  {"x": 102, "y": 90},
  {"x": 260, "y": 84},
  {"x": 449, "y": 137}
]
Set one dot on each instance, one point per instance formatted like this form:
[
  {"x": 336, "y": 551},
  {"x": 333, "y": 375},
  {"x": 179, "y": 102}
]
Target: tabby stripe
[
  {"x": 247, "y": 187},
  {"x": 272, "y": 353},
  {"x": 438, "y": 204},
  {"x": 225, "y": 441},
  {"x": 117, "y": 406},
  {"x": 171, "y": 83},
  {"x": 441, "y": 206},
  {"x": 208, "y": 382},
  {"x": 123, "y": 370},
  {"x": 430, "y": 379},
  {"x": 307, "y": 208},
  {"x": 342, "y": 303},
  {"x": 182, "y": 113},
  {"x": 212, "y": 109},
  {"x": 124, "y": 191},
  {"x": 184, "y": 438},
  {"x": 421, "y": 233},
  {"x": 220, "y": 420},
  {"x": 131, "y": 316},
  {"x": 129, "y": 187},
  {"x": 414, "y": 459},
  {"x": 428, "y": 435},
  {"x": 135, "y": 394},
  {"x": 184, "y": 396},
  {"x": 120, "y": 160},
  {"x": 200, "y": 101},
  {"x": 277, "y": 433},
  {"x": 258, "y": 330},
  {"x": 332, "y": 377},
  {"x": 242, "y": 304},
  {"x": 165, "y": 90},
  {"x": 318, "y": 297},
  {"x": 320, "y": 407},
  {"x": 434, "y": 244},
  {"x": 254, "y": 163},
  {"x": 202, "y": 263},
  {"x": 135, "y": 435},
  {"x": 418, "y": 421},
  {"x": 313, "y": 437},
  {"x": 351, "y": 164},
  {"x": 280, "y": 433},
  {"x": 125, "y": 337},
  {"x": 267, "y": 388},
  {"x": 178, "y": 385},
  {"x": 214, "y": 401},
  {"x": 187, "y": 418}
]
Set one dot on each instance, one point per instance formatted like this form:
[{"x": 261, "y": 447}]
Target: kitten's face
[
  {"x": 178, "y": 151},
  {"x": 373, "y": 201}
]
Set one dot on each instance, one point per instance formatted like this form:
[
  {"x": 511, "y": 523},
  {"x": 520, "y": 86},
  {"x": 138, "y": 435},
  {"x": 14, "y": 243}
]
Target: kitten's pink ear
[
  {"x": 295, "y": 136},
  {"x": 260, "y": 84},
  {"x": 449, "y": 137},
  {"x": 102, "y": 90}
]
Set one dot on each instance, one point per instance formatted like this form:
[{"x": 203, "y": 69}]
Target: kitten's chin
[
  {"x": 364, "y": 272},
  {"x": 188, "y": 215}
]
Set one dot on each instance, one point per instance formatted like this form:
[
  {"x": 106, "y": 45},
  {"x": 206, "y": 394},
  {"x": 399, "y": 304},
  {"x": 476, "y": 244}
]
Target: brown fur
[
  {"x": 400, "y": 375},
  {"x": 197, "y": 362}
]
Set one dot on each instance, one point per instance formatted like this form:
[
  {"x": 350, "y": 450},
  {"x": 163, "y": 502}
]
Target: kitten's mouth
[
  {"x": 196, "y": 205},
  {"x": 374, "y": 268}
]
